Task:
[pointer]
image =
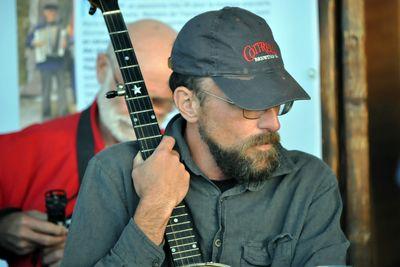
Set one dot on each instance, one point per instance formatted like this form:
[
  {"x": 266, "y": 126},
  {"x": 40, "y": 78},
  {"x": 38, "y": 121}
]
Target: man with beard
[
  {"x": 253, "y": 203},
  {"x": 53, "y": 155}
]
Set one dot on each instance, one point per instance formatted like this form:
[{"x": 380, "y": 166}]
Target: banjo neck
[{"x": 180, "y": 233}]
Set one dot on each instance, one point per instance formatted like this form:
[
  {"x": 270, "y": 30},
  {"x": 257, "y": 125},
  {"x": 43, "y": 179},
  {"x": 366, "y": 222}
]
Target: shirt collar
[{"x": 176, "y": 128}]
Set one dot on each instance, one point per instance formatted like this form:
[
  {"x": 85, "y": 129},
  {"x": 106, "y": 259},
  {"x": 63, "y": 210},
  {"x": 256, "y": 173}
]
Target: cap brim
[{"x": 262, "y": 91}]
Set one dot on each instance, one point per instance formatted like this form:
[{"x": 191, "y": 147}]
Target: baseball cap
[{"x": 236, "y": 48}]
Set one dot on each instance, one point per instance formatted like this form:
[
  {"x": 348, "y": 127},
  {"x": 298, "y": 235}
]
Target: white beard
[{"x": 119, "y": 125}]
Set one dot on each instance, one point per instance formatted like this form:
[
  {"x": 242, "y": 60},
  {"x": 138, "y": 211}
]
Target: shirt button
[
  {"x": 217, "y": 243},
  {"x": 155, "y": 263}
]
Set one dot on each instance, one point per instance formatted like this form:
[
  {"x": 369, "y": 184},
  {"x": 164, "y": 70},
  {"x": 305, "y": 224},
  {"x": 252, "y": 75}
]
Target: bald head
[
  {"x": 152, "y": 41},
  {"x": 150, "y": 37}
]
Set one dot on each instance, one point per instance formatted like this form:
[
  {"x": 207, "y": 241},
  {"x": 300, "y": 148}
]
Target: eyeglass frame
[{"x": 282, "y": 111}]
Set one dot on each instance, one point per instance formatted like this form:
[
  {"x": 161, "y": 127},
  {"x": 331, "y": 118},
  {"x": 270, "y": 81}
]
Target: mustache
[{"x": 272, "y": 138}]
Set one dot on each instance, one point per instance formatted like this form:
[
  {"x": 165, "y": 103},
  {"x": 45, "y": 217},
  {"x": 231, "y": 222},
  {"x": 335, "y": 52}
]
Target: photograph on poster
[{"x": 46, "y": 68}]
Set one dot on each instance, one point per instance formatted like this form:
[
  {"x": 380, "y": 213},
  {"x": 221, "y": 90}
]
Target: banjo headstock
[{"x": 103, "y": 5}]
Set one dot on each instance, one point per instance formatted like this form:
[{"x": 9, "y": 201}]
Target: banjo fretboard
[{"x": 180, "y": 232}]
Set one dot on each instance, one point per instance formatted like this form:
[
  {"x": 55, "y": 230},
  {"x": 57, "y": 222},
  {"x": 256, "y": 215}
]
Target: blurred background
[{"x": 345, "y": 53}]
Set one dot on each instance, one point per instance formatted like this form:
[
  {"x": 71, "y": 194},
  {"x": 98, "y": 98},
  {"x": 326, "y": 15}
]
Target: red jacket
[{"x": 39, "y": 158}]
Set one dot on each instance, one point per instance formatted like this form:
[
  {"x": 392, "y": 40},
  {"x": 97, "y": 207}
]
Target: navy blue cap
[{"x": 237, "y": 49}]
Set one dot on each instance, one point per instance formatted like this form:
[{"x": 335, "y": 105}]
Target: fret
[
  {"x": 127, "y": 67},
  {"x": 123, "y": 50},
  {"x": 192, "y": 244},
  {"x": 118, "y": 32},
  {"x": 176, "y": 224},
  {"x": 144, "y": 125},
  {"x": 181, "y": 238},
  {"x": 180, "y": 215},
  {"x": 137, "y": 97},
  {"x": 135, "y": 82},
  {"x": 149, "y": 138},
  {"x": 107, "y": 13},
  {"x": 179, "y": 231},
  {"x": 185, "y": 251},
  {"x": 148, "y": 150},
  {"x": 187, "y": 257},
  {"x": 140, "y": 111},
  {"x": 179, "y": 207}
]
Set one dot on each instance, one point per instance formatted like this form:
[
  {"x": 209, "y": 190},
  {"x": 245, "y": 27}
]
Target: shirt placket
[{"x": 218, "y": 241}]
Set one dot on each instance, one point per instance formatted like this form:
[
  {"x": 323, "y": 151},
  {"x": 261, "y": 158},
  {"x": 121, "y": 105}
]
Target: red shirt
[{"x": 39, "y": 158}]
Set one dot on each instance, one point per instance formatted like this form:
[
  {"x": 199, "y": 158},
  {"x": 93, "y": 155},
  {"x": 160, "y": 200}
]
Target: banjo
[{"x": 180, "y": 233}]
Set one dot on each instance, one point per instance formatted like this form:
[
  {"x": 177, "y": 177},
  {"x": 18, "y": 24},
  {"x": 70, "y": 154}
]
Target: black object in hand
[{"x": 56, "y": 201}]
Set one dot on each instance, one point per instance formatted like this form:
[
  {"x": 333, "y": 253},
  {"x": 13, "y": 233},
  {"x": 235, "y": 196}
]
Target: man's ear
[
  {"x": 187, "y": 103},
  {"x": 102, "y": 63}
]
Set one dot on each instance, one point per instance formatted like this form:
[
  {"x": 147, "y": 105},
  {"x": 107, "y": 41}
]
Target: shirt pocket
[
  {"x": 276, "y": 251},
  {"x": 280, "y": 248},
  {"x": 255, "y": 254}
]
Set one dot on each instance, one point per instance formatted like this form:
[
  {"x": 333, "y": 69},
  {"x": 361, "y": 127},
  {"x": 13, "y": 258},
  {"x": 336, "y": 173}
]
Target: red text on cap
[{"x": 250, "y": 52}]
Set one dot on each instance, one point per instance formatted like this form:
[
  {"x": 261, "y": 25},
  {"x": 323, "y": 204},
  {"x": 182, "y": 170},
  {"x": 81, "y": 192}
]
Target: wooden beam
[
  {"x": 329, "y": 96},
  {"x": 356, "y": 132}
]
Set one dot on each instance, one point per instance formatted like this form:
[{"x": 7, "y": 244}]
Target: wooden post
[
  {"x": 327, "y": 26},
  {"x": 356, "y": 132}
]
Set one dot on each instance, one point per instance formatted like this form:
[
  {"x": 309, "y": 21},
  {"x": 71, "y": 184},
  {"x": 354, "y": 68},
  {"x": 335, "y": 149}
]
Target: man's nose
[{"x": 269, "y": 120}]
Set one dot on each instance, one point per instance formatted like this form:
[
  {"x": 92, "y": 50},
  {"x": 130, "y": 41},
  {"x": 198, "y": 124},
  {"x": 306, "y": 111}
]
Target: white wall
[{"x": 9, "y": 91}]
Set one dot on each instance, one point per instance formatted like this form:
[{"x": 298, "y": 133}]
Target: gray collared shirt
[{"x": 290, "y": 219}]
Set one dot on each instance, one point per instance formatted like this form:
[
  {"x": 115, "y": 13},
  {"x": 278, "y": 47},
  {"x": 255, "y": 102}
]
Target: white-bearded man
[{"x": 54, "y": 155}]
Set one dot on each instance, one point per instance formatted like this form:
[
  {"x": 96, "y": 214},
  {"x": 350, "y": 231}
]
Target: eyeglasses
[{"x": 254, "y": 114}]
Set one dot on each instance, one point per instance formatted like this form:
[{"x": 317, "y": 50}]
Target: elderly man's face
[
  {"x": 243, "y": 149},
  {"x": 114, "y": 113},
  {"x": 156, "y": 80}
]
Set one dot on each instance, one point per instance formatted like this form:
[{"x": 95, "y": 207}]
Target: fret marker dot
[
  {"x": 173, "y": 250},
  {"x": 135, "y": 120},
  {"x": 194, "y": 246},
  {"x": 153, "y": 117},
  {"x": 126, "y": 58},
  {"x": 176, "y": 220}
]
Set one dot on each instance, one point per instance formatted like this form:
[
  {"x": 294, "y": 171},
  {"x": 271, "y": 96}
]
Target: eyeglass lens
[{"x": 256, "y": 114}]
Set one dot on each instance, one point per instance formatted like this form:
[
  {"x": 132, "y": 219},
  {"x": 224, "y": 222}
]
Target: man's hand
[
  {"x": 23, "y": 232},
  {"x": 52, "y": 256},
  {"x": 161, "y": 182}
]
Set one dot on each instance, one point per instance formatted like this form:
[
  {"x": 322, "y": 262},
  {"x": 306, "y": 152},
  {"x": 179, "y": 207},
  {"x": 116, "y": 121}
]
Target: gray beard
[
  {"x": 119, "y": 125},
  {"x": 235, "y": 165}
]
